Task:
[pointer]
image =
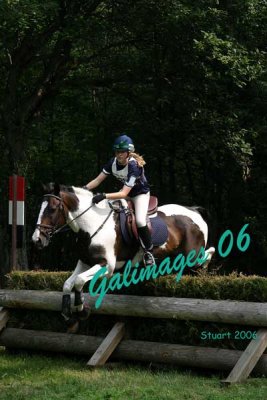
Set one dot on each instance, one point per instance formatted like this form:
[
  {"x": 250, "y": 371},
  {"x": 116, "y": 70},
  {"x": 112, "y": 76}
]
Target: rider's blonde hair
[{"x": 140, "y": 161}]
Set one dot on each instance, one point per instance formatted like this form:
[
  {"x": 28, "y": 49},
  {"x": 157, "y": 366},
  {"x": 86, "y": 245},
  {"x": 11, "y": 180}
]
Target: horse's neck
[
  {"x": 72, "y": 203},
  {"x": 87, "y": 220}
]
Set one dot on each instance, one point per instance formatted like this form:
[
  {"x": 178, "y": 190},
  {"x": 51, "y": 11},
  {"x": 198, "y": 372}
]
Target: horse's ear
[
  {"x": 56, "y": 189},
  {"x": 51, "y": 187},
  {"x": 47, "y": 187}
]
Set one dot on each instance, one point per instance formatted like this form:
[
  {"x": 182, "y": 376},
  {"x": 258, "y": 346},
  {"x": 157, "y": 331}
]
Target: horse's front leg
[
  {"x": 67, "y": 288},
  {"x": 81, "y": 279}
]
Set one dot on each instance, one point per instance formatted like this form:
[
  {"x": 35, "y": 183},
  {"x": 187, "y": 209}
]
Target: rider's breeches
[
  {"x": 141, "y": 202},
  {"x": 141, "y": 206}
]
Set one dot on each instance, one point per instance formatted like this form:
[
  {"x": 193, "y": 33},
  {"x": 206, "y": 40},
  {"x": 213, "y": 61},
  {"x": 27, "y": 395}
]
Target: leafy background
[{"x": 185, "y": 79}]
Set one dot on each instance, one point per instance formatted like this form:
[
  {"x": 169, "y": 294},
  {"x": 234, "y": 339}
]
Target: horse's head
[{"x": 56, "y": 205}]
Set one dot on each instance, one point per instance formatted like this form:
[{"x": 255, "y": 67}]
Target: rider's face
[{"x": 122, "y": 157}]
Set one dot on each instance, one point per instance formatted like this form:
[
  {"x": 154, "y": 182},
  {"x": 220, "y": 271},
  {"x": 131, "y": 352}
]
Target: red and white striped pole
[{"x": 16, "y": 215}]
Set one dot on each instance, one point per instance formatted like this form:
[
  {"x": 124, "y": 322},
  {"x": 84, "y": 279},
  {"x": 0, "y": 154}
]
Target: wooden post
[
  {"x": 249, "y": 359},
  {"x": 4, "y": 317},
  {"x": 13, "y": 265},
  {"x": 108, "y": 345}
]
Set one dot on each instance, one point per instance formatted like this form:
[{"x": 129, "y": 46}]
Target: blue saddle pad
[{"x": 159, "y": 230}]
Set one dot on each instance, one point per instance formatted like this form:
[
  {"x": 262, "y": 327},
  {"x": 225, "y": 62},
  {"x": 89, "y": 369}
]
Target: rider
[{"x": 128, "y": 167}]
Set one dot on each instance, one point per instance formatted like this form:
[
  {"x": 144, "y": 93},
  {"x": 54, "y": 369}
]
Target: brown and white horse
[{"x": 100, "y": 242}]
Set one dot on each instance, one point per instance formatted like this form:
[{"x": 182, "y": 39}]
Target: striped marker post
[{"x": 16, "y": 214}]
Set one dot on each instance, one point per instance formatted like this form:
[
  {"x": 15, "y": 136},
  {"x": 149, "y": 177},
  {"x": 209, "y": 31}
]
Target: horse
[{"x": 101, "y": 241}]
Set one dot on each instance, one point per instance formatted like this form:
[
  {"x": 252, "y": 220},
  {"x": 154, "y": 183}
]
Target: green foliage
[
  {"x": 37, "y": 280},
  {"x": 229, "y": 59},
  {"x": 204, "y": 286}
]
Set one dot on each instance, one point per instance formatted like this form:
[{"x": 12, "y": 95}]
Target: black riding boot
[{"x": 146, "y": 243}]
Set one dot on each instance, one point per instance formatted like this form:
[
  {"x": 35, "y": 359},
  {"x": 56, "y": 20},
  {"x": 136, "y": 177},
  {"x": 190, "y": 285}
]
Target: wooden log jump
[
  {"x": 187, "y": 356},
  {"x": 226, "y": 311},
  {"x": 232, "y": 312}
]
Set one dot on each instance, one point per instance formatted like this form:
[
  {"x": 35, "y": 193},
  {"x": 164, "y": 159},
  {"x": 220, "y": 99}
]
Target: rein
[{"x": 55, "y": 230}]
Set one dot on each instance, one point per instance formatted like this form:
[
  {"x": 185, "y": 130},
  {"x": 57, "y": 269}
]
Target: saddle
[{"x": 156, "y": 225}]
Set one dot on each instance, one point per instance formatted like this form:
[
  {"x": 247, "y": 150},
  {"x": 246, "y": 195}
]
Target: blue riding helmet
[{"x": 123, "y": 142}]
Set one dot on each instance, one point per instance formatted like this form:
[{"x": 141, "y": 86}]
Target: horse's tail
[{"x": 205, "y": 214}]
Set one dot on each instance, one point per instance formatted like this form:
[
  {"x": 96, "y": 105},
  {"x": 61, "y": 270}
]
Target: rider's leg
[
  {"x": 141, "y": 206},
  {"x": 145, "y": 238}
]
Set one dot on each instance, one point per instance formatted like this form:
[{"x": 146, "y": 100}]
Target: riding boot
[{"x": 147, "y": 245}]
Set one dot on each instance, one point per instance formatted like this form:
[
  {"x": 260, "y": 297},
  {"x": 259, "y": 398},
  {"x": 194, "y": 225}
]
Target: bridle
[{"x": 51, "y": 230}]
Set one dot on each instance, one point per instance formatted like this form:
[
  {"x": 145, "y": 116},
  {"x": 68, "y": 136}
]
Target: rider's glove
[{"x": 98, "y": 197}]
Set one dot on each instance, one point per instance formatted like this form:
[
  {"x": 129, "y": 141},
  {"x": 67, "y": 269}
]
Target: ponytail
[{"x": 139, "y": 159}]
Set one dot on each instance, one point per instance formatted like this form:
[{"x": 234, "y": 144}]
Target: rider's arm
[
  {"x": 133, "y": 174},
  {"x": 96, "y": 182},
  {"x": 119, "y": 195}
]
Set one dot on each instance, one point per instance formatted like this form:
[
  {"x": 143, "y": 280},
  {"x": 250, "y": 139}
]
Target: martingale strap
[{"x": 101, "y": 226}]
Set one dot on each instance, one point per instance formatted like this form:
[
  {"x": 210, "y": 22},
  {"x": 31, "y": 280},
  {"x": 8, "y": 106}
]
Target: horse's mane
[
  {"x": 55, "y": 188},
  {"x": 70, "y": 200},
  {"x": 67, "y": 194}
]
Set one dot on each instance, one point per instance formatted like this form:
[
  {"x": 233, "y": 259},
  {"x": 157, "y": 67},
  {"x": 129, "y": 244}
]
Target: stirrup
[{"x": 148, "y": 259}]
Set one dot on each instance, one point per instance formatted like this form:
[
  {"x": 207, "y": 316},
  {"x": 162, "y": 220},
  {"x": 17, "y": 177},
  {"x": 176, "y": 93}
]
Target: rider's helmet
[{"x": 123, "y": 142}]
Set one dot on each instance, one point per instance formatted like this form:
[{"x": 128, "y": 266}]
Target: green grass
[{"x": 39, "y": 377}]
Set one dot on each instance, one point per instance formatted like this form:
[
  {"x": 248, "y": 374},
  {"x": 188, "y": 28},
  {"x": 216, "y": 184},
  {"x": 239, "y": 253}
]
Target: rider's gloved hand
[{"x": 98, "y": 197}]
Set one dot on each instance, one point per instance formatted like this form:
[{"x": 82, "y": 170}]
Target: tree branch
[{"x": 56, "y": 70}]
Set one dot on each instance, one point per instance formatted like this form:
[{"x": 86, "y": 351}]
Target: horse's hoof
[
  {"x": 85, "y": 313},
  {"x": 73, "y": 325}
]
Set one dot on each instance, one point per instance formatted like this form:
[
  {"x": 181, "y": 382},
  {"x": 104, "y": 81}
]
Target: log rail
[{"x": 225, "y": 311}]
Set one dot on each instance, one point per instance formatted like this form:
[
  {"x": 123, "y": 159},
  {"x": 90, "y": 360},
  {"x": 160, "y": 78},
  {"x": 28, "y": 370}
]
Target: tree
[{"x": 186, "y": 80}]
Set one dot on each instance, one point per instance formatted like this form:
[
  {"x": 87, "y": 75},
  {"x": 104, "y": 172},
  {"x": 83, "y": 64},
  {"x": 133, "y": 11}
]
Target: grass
[{"x": 39, "y": 377}]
